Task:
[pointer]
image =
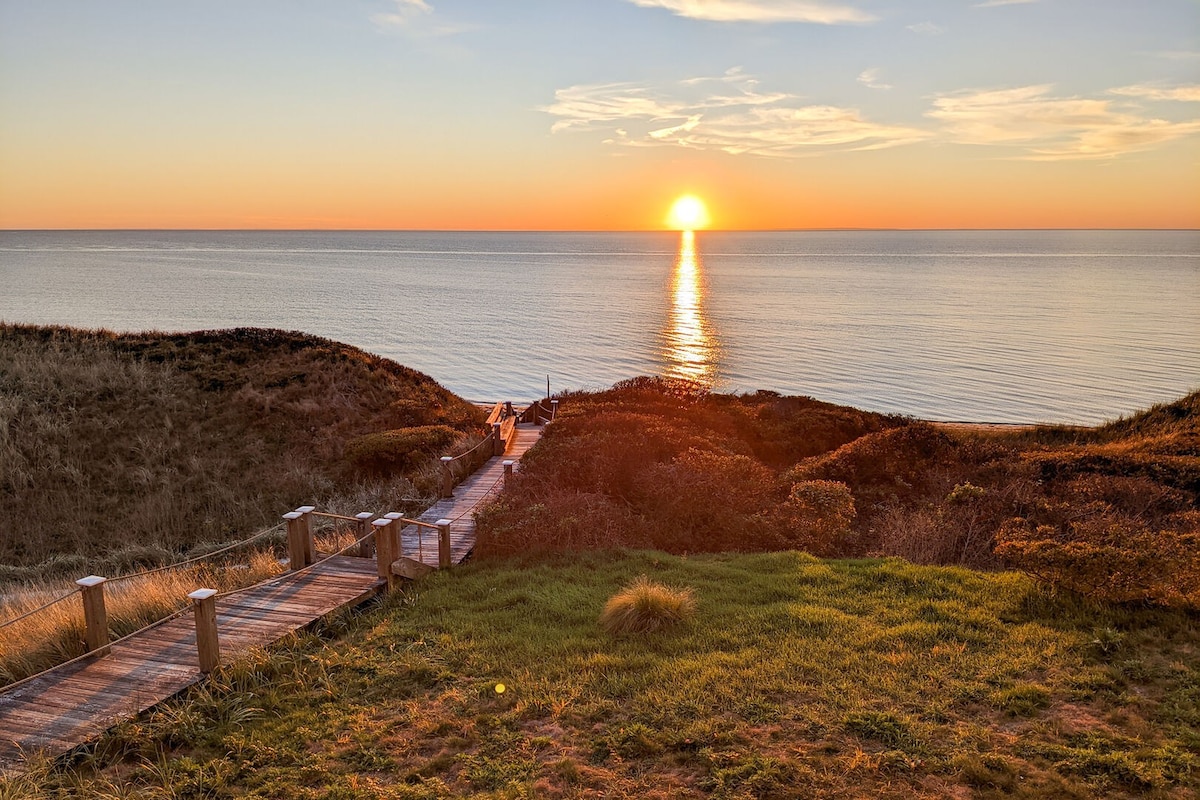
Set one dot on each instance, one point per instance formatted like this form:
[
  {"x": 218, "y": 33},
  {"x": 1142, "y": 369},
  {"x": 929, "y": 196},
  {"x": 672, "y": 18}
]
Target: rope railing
[
  {"x": 89, "y": 653},
  {"x": 120, "y": 578},
  {"x": 484, "y": 496},
  {"x": 40, "y": 608},
  {"x": 486, "y": 440},
  {"x": 178, "y": 564},
  {"x": 175, "y": 614}
]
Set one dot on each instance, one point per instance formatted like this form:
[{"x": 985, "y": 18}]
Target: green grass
[{"x": 796, "y": 677}]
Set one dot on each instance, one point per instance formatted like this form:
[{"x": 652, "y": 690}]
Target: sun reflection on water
[{"x": 690, "y": 345}]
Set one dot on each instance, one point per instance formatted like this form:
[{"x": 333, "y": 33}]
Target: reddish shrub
[{"x": 1112, "y": 557}]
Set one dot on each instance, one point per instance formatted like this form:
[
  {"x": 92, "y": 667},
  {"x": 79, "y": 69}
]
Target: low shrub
[
  {"x": 644, "y": 606},
  {"x": 398, "y": 450},
  {"x": 1112, "y": 557}
]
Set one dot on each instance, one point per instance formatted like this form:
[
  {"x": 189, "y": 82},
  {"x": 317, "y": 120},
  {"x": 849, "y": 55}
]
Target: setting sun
[{"x": 688, "y": 213}]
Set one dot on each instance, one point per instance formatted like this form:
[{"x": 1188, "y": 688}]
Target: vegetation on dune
[
  {"x": 655, "y": 463},
  {"x": 794, "y": 678},
  {"x": 1108, "y": 511},
  {"x": 121, "y": 448}
]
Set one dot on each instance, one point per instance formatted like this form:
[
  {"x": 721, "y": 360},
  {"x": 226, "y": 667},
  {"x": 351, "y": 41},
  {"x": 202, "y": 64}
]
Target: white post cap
[
  {"x": 379, "y": 523},
  {"x": 363, "y": 515},
  {"x": 508, "y": 462},
  {"x": 293, "y": 515},
  {"x": 306, "y": 509},
  {"x": 393, "y": 515},
  {"x": 90, "y": 581},
  {"x": 442, "y": 522},
  {"x": 447, "y": 458},
  {"x": 202, "y": 594}
]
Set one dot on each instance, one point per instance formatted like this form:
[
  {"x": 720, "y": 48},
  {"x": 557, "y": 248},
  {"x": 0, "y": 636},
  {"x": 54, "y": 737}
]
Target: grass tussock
[
  {"x": 1109, "y": 512},
  {"x": 164, "y": 441},
  {"x": 801, "y": 678},
  {"x": 645, "y": 606}
]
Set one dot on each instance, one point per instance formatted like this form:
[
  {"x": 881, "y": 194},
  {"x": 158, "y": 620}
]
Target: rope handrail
[
  {"x": 484, "y": 441},
  {"x": 178, "y": 564},
  {"x": 130, "y": 576},
  {"x": 334, "y": 516},
  {"x": 484, "y": 496},
  {"x": 89, "y": 653},
  {"x": 42, "y": 607},
  {"x": 179, "y": 613}
]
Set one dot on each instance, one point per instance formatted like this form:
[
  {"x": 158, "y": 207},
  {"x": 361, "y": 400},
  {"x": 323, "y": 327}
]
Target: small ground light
[{"x": 500, "y": 688}]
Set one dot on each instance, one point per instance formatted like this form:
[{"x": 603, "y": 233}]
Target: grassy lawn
[{"x": 796, "y": 677}]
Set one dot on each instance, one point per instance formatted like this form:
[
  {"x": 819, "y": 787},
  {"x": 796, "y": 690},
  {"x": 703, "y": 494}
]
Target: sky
[{"x": 598, "y": 114}]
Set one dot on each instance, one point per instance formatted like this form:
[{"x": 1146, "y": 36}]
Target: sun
[{"x": 687, "y": 214}]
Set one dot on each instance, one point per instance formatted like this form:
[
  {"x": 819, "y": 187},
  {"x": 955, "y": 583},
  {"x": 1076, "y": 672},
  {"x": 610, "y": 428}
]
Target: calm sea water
[{"x": 1062, "y": 326}]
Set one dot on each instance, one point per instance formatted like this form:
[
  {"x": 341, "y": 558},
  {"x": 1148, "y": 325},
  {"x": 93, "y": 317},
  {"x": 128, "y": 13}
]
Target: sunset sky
[{"x": 598, "y": 114}]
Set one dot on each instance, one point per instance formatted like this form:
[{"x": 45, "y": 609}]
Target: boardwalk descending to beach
[{"x": 72, "y": 704}]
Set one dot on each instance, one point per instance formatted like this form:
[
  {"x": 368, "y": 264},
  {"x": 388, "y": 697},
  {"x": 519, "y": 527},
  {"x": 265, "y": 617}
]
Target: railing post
[
  {"x": 397, "y": 538},
  {"x": 384, "y": 552},
  {"x": 367, "y": 548},
  {"x": 497, "y": 442},
  {"x": 447, "y": 477},
  {"x": 553, "y": 409},
  {"x": 95, "y": 615},
  {"x": 310, "y": 550},
  {"x": 204, "y": 604},
  {"x": 443, "y": 526},
  {"x": 508, "y": 468},
  {"x": 537, "y": 412},
  {"x": 508, "y": 409},
  {"x": 295, "y": 536}
]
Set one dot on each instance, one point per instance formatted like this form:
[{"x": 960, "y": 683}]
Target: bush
[
  {"x": 644, "y": 606},
  {"x": 816, "y": 517},
  {"x": 1112, "y": 557},
  {"x": 398, "y": 450}
]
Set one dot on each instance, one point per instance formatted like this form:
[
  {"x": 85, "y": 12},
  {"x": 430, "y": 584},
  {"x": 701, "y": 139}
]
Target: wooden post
[
  {"x": 508, "y": 467},
  {"x": 508, "y": 409},
  {"x": 384, "y": 554},
  {"x": 497, "y": 442},
  {"x": 537, "y": 412},
  {"x": 204, "y": 604},
  {"x": 553, "y": 409},
  {"x": 367, "y": 548},
  {"x": 95, "y": 615},
  {"x": 295, "y": 533},
  {"x": 447, "y": 477},
  {"x": 310, "y": 550},
  {"x": 397, "y": 539},
  {"x": 443, "y": 526}
]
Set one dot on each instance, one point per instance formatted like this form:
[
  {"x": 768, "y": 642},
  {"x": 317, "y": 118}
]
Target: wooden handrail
[{"x": 496, "y": 415}]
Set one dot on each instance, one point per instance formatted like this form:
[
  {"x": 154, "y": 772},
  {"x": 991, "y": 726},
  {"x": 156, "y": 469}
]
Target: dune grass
[
  {"x": 155, "y": 443},
  {"x": 796, "y": 678}
]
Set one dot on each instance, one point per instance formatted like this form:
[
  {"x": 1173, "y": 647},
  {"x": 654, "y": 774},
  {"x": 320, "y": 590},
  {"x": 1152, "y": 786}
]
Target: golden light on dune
[{"x": 688, "y": 213}]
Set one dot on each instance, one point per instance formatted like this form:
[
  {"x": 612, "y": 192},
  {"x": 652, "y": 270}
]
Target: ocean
[{"x": 987, "y": 326}]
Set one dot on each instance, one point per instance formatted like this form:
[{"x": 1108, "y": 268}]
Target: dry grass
[
  {"x": 645, "y": 606},
  {"x": 164, "y": 441}
]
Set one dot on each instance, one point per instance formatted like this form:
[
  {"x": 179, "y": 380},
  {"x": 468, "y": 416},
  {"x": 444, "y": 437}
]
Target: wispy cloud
[
  {"x": 1048, "y": 128},
  {"x": 870, "y": 79},
  {"x": 764, "y": 11},
  {"x": 416, "y": 18},
  {"x": 927, "y": 29},
  {"x": 728, "y": 113},
  {"x": 1186, "y": 94}
]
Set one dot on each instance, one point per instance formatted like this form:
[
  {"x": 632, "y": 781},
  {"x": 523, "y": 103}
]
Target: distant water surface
[{"x": 1012, "y": 326}]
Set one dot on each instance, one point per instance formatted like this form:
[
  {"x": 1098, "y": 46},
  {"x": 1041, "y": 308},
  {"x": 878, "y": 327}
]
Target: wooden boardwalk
[
  {"x": 459, "y": 509},
  {"x": 73, "y": 704}
]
